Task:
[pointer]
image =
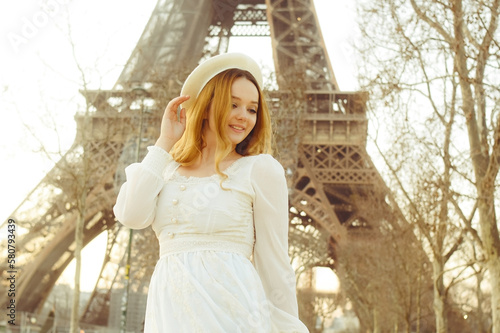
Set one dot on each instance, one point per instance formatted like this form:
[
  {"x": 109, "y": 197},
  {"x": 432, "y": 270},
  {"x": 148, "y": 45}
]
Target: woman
[{"x": 218, "y": 204}]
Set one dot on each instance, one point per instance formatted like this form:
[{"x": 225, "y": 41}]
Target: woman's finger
[
  {"x": 182, "y": 116},
  {"x": 174, "y": 104}
]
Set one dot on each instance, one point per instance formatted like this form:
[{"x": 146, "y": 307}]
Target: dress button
[
  {"x": 170, "y": 235},
  {"x": 173, "y": 219},
  {"x": 182, "y": 187},
  {"x": 175, "y": 202}
]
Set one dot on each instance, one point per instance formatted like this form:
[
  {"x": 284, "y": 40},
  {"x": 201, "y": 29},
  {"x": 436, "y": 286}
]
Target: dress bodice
[{"x": 196, "y": 213}]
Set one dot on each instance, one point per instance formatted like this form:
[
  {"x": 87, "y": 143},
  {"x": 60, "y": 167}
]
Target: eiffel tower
[{"x": 320, "y": 132}]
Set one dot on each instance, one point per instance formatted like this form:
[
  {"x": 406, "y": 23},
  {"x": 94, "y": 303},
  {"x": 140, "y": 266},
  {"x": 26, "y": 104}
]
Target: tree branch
[{"x": 436, "y": 26}]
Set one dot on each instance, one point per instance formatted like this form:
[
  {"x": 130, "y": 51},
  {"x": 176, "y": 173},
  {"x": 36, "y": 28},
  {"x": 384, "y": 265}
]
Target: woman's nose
[{"x": 241, "y": 113}]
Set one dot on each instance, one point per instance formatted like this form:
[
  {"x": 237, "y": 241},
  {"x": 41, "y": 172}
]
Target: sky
[{"x": 39, "y": 78}]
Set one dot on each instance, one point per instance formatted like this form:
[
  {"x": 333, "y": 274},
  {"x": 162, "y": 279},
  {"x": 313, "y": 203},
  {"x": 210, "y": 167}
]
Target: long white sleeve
[
  {"x": 271, "y": 258},
  {"x": 136, "y": 202}
]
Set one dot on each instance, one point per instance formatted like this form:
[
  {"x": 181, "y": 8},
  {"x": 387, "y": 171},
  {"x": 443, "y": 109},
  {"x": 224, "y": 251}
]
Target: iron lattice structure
[{"x": 320, "y": 136}]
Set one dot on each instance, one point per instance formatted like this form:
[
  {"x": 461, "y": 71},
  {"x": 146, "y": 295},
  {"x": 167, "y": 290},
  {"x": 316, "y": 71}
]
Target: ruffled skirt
[{"x": 209, "y": 292}]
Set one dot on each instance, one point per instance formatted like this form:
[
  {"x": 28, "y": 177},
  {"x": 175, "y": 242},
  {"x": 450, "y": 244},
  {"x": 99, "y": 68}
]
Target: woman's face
[{"x": 243, "y": 116}]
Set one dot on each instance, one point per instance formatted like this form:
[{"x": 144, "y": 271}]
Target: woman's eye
[
  {"x": 253, "y": 111},
  {"x": 235, "y": 106}
]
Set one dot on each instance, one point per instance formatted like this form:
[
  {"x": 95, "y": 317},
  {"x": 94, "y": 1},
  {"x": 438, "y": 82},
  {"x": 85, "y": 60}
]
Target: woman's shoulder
[
  {"x": 264, "y": 163},
  {"x": 261, "y": 158}
]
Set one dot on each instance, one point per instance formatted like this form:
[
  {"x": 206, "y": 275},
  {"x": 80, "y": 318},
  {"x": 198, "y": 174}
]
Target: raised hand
[{"x": 172, "y": 128}]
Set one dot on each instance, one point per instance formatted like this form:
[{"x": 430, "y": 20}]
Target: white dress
[{"x": 206, "y": 279}]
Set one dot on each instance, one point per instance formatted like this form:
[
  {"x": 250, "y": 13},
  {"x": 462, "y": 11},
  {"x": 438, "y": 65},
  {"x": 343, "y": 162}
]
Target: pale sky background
[{"x": 39, "y": 80}]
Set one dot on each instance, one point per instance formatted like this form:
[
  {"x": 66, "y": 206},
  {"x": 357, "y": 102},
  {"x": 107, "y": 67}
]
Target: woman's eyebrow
[{"x": 254, "y": 102}]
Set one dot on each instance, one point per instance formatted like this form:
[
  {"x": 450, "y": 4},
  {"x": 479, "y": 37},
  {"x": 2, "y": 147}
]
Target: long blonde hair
[{"x": 217, "y": 93}]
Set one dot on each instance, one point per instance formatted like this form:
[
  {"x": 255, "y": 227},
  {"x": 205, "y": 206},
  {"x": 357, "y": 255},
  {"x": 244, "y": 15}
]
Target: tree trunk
[
  {"x": 485, "y": 172},
  {"x": 75, "y": 309},
  {"x": 440, "y": 303},
  {"x": 479, "y": 295},
  {"x": 489, "y": 235},
  {"x": 491, "y": 240},
  {"x": 494, "y": 268}
]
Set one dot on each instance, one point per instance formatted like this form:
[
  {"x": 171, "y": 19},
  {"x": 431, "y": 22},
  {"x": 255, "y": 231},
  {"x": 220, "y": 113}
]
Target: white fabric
[
  {"x": 207, "y": 70},
  {"x": 205, "y": 280}
]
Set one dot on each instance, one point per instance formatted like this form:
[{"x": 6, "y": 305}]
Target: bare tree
[
  {"x": 384, "y": 271},
  {"x": 73, "y": 191},
  {"x": 433, "y": 71}
]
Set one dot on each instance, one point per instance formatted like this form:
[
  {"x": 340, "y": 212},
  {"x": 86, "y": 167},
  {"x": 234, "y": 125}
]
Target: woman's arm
[
  {"x": 271, "y": 258},
  {"x": 136, "y": 202}
]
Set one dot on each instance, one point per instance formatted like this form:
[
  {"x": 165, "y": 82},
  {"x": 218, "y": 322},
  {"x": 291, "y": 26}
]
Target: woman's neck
[{"x": 207, "y": 155}]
